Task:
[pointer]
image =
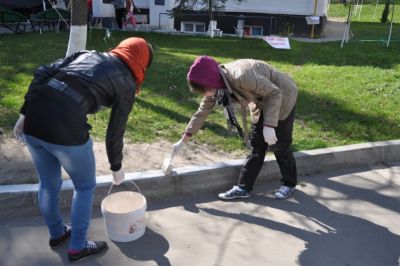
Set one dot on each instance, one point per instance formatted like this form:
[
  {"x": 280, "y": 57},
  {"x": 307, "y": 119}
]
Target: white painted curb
[{"x": 21, "y": 200}]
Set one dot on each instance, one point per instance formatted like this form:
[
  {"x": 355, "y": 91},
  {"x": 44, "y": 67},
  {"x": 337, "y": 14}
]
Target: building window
[
  {"x": 258, "y": 31},
  {"x": 253, "y": 31},
  {"x": 193, "y": 27},
  {"x": 141, "y": 19},
  {"x": 188, "y": 27},
  {"x": 200, "y": 28},
  {"x": 159, "y": 2}
]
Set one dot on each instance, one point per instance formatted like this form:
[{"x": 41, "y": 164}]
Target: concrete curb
[{"x": 21, "y": 200}]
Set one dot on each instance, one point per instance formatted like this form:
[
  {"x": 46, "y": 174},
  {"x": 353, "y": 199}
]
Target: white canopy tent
[{"x": 355, "y": 8}]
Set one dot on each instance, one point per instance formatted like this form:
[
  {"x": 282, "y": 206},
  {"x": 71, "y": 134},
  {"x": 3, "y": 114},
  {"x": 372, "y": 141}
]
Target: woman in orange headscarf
[
  {"x": 53, "y": 124},
  {"x": 133, "y": 52}
]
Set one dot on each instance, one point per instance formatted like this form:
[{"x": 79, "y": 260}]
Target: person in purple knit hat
[{"x": 271, "y": 97}]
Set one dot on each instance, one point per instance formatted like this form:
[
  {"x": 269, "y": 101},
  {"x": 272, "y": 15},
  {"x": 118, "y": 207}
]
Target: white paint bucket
[{"x": 124, "y": 215}]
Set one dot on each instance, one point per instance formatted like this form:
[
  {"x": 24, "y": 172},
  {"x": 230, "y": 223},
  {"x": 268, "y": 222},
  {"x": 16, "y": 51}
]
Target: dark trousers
[
  {"x": 120, "y": 16},
  {"x": 282, "y": 151}
]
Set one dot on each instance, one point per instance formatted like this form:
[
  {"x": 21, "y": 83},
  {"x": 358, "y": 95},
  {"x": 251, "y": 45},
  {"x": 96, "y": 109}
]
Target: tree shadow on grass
[
  {"x": 335, "y": 116},
  {"x": 330, "y": 117},
  {"x": 179, "y": 118}
]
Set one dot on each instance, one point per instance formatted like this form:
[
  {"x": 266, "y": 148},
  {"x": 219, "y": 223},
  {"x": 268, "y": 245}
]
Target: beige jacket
[{"x": 257, "y": 85}]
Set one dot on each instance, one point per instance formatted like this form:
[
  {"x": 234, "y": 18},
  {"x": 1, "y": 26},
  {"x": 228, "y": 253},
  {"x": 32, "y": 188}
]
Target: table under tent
[{"x": 34, "y": 14}]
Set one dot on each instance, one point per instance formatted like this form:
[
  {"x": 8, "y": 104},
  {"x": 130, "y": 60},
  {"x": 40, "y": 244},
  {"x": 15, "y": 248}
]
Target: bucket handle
[{"x": 109, "y": 191}]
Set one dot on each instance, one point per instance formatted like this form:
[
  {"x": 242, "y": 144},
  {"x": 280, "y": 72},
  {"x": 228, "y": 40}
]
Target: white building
[{"x": 259, "y": 17}]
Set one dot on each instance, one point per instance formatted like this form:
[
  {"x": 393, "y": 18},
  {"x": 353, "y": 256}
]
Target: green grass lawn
[
  {"x": 365, "y": 21},
  {"x": 347, "y": 95}
]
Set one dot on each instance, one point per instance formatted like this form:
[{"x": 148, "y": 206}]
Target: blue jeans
[{"x": 79, "y": 163}]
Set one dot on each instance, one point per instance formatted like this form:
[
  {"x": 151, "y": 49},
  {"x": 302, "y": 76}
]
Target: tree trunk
[
  {"x": 385, "y": 12},
  {"x": 78, "y": 30},
  {"x": 210, "y": 11}
]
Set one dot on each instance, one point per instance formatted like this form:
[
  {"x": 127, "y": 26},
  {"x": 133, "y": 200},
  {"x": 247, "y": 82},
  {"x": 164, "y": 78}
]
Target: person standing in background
[
  {"x": 121, "y": 9},
  {"x": 89, "y": 12}
]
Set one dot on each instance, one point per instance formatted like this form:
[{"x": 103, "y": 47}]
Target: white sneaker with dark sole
[
  {"x": 284, "y": 192},
  {"x": 234, "y": 193},
  {"x": 92, "y": 248}
]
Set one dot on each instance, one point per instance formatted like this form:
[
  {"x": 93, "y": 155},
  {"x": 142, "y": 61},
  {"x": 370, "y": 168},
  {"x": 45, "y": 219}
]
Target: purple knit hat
[{"x": 205, "y": 72}]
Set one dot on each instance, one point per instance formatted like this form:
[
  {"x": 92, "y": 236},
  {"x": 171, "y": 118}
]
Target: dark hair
[
  {"x": 150, "y": 55},
  {"x": 195, "y": 87}
]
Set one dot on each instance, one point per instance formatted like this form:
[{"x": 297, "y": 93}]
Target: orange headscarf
[{"x": 136, "y": 54}]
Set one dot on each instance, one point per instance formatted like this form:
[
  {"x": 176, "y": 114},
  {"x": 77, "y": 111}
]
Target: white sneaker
[
  {"x": 235, "y": 192},
  {"x": 284, "y": 192}
]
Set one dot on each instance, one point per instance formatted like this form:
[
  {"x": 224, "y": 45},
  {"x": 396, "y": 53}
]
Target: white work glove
[
  {"x": 269, "y": 135},
  {"x": 19, "y": 128},
  {"x": 177, "y": 147},
  {"x": 118, "y": 176}
]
